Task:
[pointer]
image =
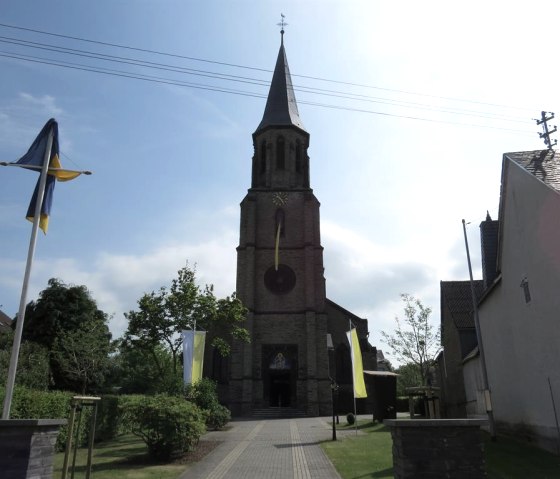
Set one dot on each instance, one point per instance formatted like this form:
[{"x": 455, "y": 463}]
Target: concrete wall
[
  {"x": 521, "y": 339},
  {"x": 474, "y": 388}
]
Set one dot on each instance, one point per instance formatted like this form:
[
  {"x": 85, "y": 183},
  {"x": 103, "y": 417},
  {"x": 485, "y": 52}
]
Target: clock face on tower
[
  {"x": 281, "y": 280},
  {"x": 280, "y": 198}
]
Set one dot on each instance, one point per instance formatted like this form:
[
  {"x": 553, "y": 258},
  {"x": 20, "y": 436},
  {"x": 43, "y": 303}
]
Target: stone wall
[
  {"x": 27, "y": 447},
  {"x": 443, "y": 448}
]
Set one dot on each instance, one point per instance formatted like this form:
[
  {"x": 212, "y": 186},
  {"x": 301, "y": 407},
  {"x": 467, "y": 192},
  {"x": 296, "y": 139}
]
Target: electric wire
[
  {"x": 156, "y": 52},
  {"x": 248, "y": 80},
  {"x": 154, "y": 79}
]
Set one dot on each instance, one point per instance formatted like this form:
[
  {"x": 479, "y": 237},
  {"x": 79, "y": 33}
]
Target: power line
[
  {"x": 150, "y": 78},
  {"x": 156, "y": 52},
  {"x": 248, "y": 80}
]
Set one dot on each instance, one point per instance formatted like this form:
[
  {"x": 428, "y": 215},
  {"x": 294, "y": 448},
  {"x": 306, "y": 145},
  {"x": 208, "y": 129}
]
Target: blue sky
[{"x": 172, "y": 163}]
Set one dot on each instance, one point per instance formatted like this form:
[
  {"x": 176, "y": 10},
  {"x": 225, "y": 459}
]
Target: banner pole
[{"x": 23, "y": 299}]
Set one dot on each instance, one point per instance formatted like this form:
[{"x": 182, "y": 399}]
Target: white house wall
[{"x": 522, "y": 340}]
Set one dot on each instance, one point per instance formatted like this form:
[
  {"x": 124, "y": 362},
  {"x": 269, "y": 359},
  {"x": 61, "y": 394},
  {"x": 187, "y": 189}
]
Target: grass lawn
[
  {"x": 122, "y": 458},
  {"x": 370, "y": 456}
]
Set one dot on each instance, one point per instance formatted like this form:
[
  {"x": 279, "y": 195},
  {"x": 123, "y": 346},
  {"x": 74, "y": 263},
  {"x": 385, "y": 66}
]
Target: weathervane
[{"x": 282, "y": 24}]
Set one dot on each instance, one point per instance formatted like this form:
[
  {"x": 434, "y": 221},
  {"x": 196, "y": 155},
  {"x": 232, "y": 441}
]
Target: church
[{"x": 298, "y": 336}]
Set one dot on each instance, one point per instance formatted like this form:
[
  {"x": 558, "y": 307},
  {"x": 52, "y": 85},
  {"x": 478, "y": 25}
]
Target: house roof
[
  {"x": 5, "y": 320},
  {"x": 457, "y": 296},
  {"x": 281, "y": 107},
  {"x": 542, "y": 164}
]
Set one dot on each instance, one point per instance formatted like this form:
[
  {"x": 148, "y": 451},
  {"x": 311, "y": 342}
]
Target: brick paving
[{"x": 269, "y": 449}]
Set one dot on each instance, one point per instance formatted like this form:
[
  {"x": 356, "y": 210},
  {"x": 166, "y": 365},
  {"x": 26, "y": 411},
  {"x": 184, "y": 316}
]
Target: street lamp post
[{"x": 334, "y": 386}]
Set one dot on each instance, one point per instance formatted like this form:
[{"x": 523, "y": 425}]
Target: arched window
[
  {"x": 343, "y": 365},
  {"x": 280, "y": 153},
  {"x": 298, "y": 156},
  {"x": 263, "y": 157}
]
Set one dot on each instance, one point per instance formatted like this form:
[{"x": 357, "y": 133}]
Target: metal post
[
  {"x": 69, "y": 436},
  {"x": 330, "y": 354},
  {"x": 91, "y": 439},
  {"x": 480, "y": 345},
  {"x": 23, "y": 298}
]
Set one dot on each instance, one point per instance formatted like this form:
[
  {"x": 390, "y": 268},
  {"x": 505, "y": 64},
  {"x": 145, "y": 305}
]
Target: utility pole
[
  {"x": 546, "y": 132},
  {"x": 487, "y": 397}
]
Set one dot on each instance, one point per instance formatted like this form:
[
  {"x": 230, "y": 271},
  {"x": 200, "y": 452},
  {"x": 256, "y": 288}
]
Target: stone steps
[{"x": 277, "y": 413}]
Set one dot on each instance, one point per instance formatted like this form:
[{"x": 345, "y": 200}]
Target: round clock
[
  {"x": 281, "y": 280},
  {"x": 280, "y": 198}
]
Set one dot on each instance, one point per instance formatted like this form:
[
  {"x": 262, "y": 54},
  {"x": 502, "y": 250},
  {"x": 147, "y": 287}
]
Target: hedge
[{"x": 168, "y": 425}]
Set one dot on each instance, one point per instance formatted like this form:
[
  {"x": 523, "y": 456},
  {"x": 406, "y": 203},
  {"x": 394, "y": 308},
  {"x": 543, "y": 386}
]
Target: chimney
[{"x": 489, "y": 247}]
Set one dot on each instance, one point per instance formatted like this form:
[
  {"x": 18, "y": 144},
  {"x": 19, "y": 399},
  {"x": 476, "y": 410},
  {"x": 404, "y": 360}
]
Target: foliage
[
  {"x": 82, "y": 355},
  {"x": 415, "y": 339},
  {"x": 131, "y": 371},
  {"x": 33, "y": 369},
  {"x": 219, "y": 416},
  {"x": 168, "y": 425},
  {"x": 163, "y": 315},
  {"x": 204, "y": 394},
  {"x": 350, "y": 418},
  {"x": 67, "y": 322},
  {"x": 408, "y": 376}
]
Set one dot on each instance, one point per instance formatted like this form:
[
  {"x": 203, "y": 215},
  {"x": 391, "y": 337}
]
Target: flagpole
[
  {"x": 23, "y": 299},
  {"x": 353, "y": 379}
]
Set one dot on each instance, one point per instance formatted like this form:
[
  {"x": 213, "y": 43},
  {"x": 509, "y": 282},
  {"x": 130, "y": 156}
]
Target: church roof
[{"x": 281, "y": 107}]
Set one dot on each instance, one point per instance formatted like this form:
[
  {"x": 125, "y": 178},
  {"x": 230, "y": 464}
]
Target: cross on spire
[
  {"x": 546, "y": 132},
  {"x": 282, "y": 24}
]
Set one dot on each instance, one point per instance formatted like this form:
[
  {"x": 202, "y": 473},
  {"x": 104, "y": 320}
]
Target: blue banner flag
[{"x": 34, "y": 159}]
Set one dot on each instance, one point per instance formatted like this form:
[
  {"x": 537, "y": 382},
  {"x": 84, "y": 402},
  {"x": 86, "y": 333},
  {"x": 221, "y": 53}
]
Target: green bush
[
  {"x": 168, "y": 425},
  {"x": 204, "y": 394},
  {"x": 218, "y": 417},
  {"x": 350, "y": 418}
]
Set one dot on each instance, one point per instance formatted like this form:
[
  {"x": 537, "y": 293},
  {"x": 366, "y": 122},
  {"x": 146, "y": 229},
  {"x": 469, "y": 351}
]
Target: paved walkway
[{"x": 269, "y": 449}]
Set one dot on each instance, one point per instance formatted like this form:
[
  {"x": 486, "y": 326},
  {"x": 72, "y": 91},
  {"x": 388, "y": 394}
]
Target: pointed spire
[{"x": 281, "y": 107}]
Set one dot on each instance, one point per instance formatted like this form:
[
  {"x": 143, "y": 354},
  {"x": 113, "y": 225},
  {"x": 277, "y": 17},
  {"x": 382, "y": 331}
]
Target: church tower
[{"x": 280, "y": 269}]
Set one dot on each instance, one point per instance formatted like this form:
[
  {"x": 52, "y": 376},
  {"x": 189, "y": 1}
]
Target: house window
[
  {"x": 280, "y": 153},
  {"x": 526, "y": 292}
]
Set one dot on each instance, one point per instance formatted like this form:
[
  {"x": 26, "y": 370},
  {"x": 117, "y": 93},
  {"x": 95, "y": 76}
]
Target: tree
[
  {"x": 408, "y": 376},
  {"x": 133, "y": 374},
  {"x": 82, "y": 355},
  {"x": 163, "y": 315},
  {"x": 415, "y": 339},
  {"x": 66, "y": 321},
  {"x": 33, "y": 369}
]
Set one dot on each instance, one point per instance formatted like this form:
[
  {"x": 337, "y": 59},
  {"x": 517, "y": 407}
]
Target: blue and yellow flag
[
  {"x": 193, "y": 355},
  {"x": 357, "y": 365},
  {"x": 33, "y": 159}
]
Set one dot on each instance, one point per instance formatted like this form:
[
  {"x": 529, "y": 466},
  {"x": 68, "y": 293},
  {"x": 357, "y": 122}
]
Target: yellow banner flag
[{"x": 357, "y": 366}]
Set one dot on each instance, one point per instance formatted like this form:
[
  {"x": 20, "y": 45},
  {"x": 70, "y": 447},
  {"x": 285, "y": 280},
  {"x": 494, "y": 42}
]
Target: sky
[{"x": 410, "y": 107}]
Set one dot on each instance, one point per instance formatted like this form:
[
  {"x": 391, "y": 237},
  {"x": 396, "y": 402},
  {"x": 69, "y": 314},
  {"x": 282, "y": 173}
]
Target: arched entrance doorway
[{"x": 279, "y": 375}]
